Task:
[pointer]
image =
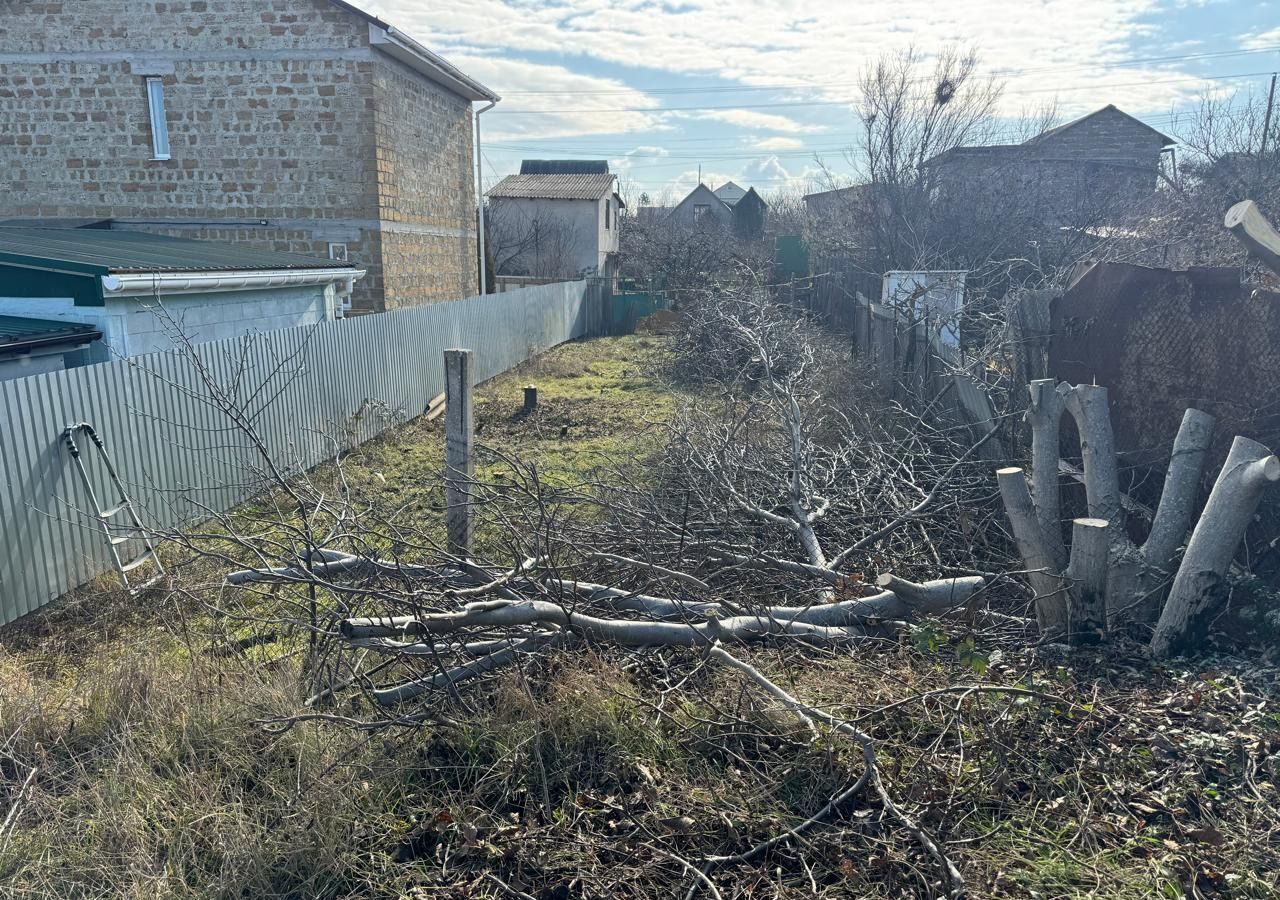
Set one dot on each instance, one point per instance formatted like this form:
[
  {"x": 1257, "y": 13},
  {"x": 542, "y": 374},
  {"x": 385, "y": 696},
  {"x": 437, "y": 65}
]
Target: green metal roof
[
  {"x": 20, "y": 332},
  {"x": 96, "y": 251}
]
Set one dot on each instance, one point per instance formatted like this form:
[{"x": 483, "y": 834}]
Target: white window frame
[{"x": 155, "y": 111}]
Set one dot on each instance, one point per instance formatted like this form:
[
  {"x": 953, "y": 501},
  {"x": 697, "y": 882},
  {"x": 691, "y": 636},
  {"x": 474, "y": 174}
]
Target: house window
[
  {"x": 159, "y": 128},
  {"x": 608, "y": 205},
  {"x": 701, "y": 212}
]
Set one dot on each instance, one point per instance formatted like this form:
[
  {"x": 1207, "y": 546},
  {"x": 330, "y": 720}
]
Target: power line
[
  {"x": 809, "y": 85},
  {"x": 655, "y": 110},
  {"x": 730, "y": 151}
]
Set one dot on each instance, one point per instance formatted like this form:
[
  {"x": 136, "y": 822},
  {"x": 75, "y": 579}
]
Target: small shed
[
  {"x": 131, "y": 287},
  {"x": 31, "y": 346}
]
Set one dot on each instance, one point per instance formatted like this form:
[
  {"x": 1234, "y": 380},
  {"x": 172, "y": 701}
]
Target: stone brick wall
[
  {"x": 1080, "y": 176},
  {"x": 286, "y": 130},
  {"x": 426, "y": 188}
]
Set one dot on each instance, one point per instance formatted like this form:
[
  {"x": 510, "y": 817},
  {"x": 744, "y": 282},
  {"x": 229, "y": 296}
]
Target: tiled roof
[{"x": 555, "y": 187}]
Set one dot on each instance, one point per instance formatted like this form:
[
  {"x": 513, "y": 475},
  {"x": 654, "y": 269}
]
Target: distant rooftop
[
  {"x": 98, "y": 252},
  {"x": 555, "y": 187},
  {"x": 994, "y": 151},
  {"x": 564, "y": 167}
]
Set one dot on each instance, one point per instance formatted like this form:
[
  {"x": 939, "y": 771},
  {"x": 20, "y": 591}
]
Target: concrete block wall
[
  {"x": 287, "y": 131},
  {"x": 139, "y": 327}
]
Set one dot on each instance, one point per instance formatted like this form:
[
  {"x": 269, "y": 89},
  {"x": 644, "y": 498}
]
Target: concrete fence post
[{"x": 459, "y": 460}]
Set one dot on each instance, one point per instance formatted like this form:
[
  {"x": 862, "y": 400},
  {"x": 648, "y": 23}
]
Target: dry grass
[{"x": 586, "y": 774}]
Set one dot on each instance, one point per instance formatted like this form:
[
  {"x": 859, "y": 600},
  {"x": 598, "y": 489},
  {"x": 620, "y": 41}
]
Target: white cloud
[
  {"x": 623, "y": 164},
  {"x": 767, "y": 175},
  {"x": 767, "y": 42},
  {"x": 778, "y": 143},
  {"x": 750, "y": 118},
  {"x": 1260, "y": 39},
  {"x": 565, "y": 109}
]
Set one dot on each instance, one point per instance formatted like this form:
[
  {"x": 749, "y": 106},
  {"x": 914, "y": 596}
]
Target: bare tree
[
  {"x": 911, "y": 112},
  {"x": 524, "y": 243}
]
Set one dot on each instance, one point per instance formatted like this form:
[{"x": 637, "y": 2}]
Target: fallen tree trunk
[
  {"x": 826, "y": 620},
  {"x": 1252, "y": 229}
]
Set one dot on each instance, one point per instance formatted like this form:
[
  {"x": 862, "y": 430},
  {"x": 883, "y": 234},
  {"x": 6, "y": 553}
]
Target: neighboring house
[
  {"x": 305, "y": 126},
  {"x": 703, "y": 209},
  {"x": 730, "y": 193},
  {"x": 652, "y": 215},
  {"x": 554, "y": 225},
  {"x": 840, "y": 206},
  {"x": 1085, "y": 167},
  {"x": 130, "y": 289},
  {"x": 748, "y": 216}
]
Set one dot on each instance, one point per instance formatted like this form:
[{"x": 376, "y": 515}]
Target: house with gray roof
[
  {"x": 703, "y": 209},
  {"x": 554, "y": 224}
]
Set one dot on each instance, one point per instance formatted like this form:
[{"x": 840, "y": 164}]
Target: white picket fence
[{"x": 182, "y": 456}]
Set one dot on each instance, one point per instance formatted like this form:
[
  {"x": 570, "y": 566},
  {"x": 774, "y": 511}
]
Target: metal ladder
[{"x": 114, "y": 535}]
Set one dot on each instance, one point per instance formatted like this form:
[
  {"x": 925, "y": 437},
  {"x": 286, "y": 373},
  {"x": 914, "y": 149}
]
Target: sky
[{"x": 762, "y": 92}]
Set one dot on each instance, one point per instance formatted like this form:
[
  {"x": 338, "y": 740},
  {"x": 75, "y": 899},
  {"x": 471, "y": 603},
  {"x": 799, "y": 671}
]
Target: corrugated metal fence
[{"x": 305, "y": 391}]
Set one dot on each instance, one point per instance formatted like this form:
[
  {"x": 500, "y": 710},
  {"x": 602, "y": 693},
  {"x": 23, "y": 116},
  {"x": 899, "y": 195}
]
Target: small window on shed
[{"x": 159, "y": 127}]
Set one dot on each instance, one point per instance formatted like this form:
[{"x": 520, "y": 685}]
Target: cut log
[
  {"x": 1173, "y": 517},
  {"x": 1042, "y": 569},
  {"x": 1087, "y": 572},
  {"x": 1181, "y": 484},
  {"x": 1089, "y": 406},
  {"x": 1252, "y": 229},
  {"x": 1200, "y": 583},
  {"x": 1044, "y": 415}
]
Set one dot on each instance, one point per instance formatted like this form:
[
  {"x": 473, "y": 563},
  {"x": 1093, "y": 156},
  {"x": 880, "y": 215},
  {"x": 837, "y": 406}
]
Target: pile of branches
[{"x": 787, "y": 507}]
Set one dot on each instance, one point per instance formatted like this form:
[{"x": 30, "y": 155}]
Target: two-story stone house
[
  {"x": 305, "y": 126},
  {"x": 1078, "y": 173}
]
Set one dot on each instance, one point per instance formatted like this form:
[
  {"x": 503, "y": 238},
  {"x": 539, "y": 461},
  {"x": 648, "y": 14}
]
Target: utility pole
[{"x": 1266, "y": 120}]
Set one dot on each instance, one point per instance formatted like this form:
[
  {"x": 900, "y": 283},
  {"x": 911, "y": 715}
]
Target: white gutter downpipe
[
  {"x": 143, "y": 284},
  {"x": 484, "y": 252}
]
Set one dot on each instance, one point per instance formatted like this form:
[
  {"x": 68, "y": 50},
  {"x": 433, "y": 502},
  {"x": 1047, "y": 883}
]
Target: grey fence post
[{"x": 459, "y": 461}]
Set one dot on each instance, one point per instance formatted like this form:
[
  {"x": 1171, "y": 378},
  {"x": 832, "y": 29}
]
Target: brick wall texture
[{"x": 279, "y": 111}]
